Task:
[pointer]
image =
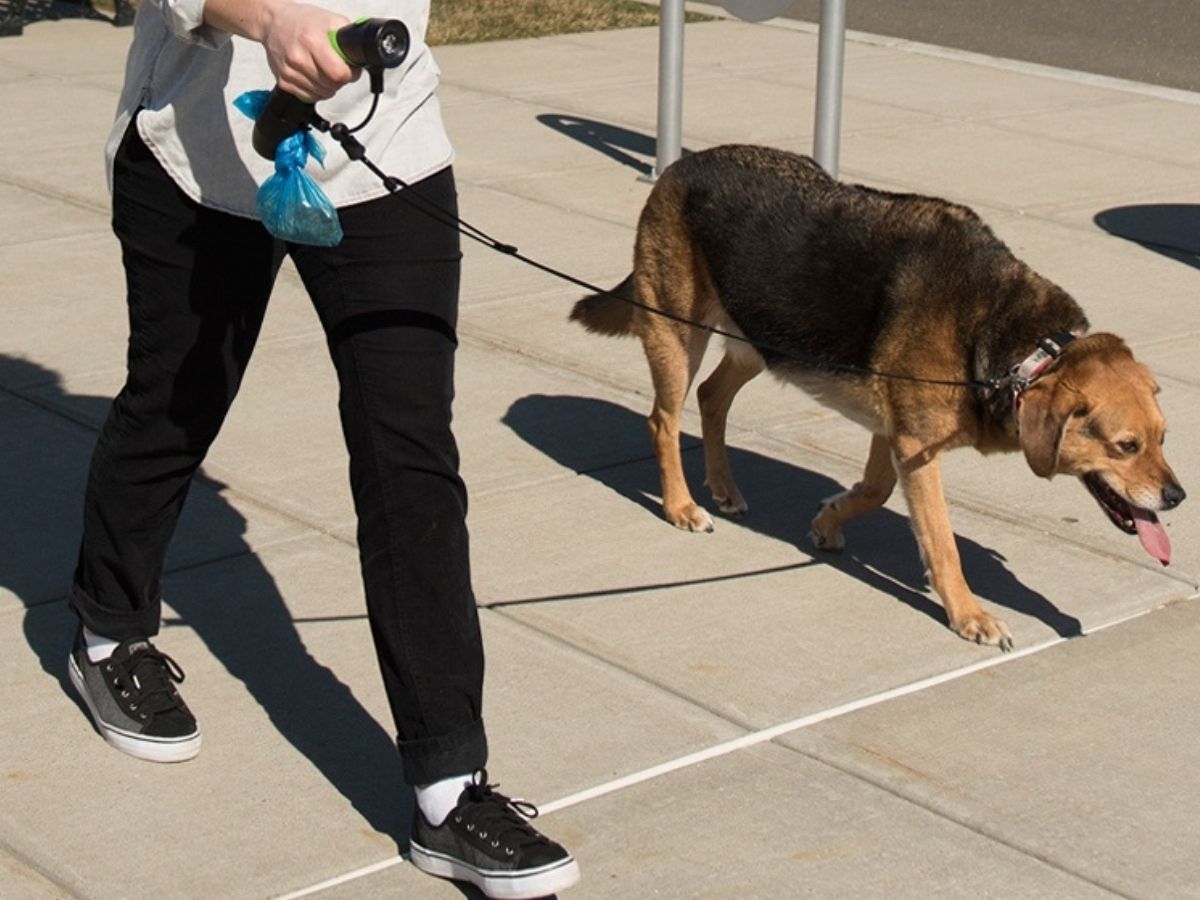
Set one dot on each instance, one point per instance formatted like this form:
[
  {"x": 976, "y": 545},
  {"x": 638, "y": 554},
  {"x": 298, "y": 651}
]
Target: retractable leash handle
[{"x": 373, "y": 44}]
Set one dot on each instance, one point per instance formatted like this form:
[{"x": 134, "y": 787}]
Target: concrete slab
[
  {"x": 1122, "y": 287},
  {"x": 961, "y": 91},
  {"x": 1154, "y": 129},
  {"x": 1175, "y": 358},
  {"x": 26, "y": 217},
  {"x": 805, "y": 829},
  {"x": 1007, "y": 170},
  {"x": 87, "y": 292},
  {"x": 613, "y": 189},
  {"x": 83, "y": 49},
  {"x": 20, "y": 880},
  {"x": 1025, "y": 755},
  {"x": 517, "y": 136},
  {"x": 555, "y": 236},
  {"x": 47, "y": 103},
  {"x": 70, "y": 174},
  {"x": 46, "y": 457}
]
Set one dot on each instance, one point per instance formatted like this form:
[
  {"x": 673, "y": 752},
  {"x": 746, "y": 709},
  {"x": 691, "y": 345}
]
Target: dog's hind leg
[
  {"x": 674, "y": 354},
  {"x": 878, "y": 481},
  {"x": 716, "y": 395},
  {"x": 921, "y": 480}
]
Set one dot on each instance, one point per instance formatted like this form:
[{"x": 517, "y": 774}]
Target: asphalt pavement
[
  {"x": 1152, "y": 41},
  {"x": 697, "y": 715}
]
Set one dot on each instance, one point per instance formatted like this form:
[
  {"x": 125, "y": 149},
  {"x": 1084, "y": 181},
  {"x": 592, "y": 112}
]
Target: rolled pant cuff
[
  {"x": 432, "y": 759},
  {"x": 117, "y": 625}
]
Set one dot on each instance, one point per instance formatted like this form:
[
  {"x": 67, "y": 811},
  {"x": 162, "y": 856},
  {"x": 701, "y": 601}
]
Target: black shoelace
[
  {"x": 148, "y": 677},
  {"x": 497, "y": 819}
]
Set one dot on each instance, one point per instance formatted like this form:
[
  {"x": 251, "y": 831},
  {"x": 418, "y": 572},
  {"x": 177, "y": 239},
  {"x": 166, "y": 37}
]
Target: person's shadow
[
  {"x": 223, "y": 593},
  {"x": 578, "y": 432}
]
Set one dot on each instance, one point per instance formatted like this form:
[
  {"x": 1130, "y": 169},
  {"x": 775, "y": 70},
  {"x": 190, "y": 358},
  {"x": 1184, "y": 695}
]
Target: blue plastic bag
[{"x": 290, "y": 204}]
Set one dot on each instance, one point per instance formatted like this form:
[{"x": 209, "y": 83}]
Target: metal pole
[
  {"x": 670, "y": 85},
  {"x": 830, "y": 54}
]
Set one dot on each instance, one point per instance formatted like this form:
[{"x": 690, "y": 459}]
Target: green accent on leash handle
[{"x": 373, "y": 44}]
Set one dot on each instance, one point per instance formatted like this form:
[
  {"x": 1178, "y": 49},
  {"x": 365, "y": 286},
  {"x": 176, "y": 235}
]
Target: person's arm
[{"x": 296, "y": 38}]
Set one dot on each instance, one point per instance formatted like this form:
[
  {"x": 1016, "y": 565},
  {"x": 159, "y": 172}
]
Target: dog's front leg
[{"x": 921, "y": 481}]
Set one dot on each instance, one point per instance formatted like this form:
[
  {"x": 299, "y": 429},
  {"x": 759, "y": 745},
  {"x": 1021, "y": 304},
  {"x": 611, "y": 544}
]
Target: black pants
[{"x": 387, "y": 296}]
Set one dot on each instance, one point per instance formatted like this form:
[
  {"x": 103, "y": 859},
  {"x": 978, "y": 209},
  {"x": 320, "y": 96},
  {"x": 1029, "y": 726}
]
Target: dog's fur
[{"x": 828, "y": 280}]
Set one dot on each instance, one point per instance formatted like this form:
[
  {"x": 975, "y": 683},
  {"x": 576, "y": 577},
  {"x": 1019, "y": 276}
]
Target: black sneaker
[
  {"x": 133, "y": 700},
  {"x": 488, "y": 841}
]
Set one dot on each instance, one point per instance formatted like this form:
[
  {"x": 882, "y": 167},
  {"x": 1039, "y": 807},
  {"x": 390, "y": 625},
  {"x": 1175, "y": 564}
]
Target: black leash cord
[{"x": 356, "y": 151}]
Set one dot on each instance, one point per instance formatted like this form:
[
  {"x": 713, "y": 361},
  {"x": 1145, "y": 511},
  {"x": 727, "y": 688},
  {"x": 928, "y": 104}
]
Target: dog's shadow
[{"x": 881, "y": 552}]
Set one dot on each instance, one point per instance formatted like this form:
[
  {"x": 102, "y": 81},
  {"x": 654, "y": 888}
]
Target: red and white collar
[{"x": 1026, "y": 372}]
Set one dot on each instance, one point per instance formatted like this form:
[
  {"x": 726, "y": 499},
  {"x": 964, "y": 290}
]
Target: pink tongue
[{"x": 1152, "y": 535}]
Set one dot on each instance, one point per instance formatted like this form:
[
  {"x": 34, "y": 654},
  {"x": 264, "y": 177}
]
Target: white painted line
[
  {"x": 342, "y": 879},
  {"x": 769, "y": 734},
  {"x": 741, "y": 743}
]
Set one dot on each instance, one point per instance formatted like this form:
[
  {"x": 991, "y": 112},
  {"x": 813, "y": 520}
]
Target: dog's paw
[
  {"x": 733, "y": 505},
  {"x": 832, "y": 543},
  {"x": 825, "y": 535},
  {"x": 691, "y": 518},
  {"x": 726, "y": 495},
  {"x": 984, "y": 629}
]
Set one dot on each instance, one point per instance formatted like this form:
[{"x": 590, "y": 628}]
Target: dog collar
[{"x": 1026, "y": 372}]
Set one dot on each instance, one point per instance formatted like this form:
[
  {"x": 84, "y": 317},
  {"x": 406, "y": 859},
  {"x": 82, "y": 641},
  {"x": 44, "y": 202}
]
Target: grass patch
[{"x": 471, "y": 21}]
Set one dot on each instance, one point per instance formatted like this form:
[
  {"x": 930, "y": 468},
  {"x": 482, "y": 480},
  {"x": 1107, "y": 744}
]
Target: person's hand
[{"x": 300, "y": 54}]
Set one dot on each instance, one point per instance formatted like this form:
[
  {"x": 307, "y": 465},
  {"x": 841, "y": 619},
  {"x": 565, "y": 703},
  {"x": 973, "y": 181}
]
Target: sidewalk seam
[
  {"x": 978, "y": 829},
  {"x": 38, "y": 870}
]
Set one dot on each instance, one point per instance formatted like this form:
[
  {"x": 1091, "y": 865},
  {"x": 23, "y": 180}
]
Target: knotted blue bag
[{"x": 290, "y": 204}]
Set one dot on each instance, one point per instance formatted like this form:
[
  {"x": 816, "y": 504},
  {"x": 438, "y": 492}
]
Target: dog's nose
[{"x": 1172, "y": 496}]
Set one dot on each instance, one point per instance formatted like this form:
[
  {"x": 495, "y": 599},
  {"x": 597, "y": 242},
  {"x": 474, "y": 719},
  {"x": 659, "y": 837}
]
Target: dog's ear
[{"x": 1042, "y": 419}]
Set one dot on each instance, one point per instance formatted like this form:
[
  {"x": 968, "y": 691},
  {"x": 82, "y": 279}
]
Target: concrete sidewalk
[{"x": 723, "y": 715}]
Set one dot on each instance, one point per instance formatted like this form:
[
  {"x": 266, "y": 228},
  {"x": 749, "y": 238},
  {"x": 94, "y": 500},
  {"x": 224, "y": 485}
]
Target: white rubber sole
[
  {"x": 524, "y": 885},
  {"x": 154, "y": 749}
]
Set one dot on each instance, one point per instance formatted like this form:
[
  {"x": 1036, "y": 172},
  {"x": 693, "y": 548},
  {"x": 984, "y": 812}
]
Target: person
[{"x": 199, "y": 269}]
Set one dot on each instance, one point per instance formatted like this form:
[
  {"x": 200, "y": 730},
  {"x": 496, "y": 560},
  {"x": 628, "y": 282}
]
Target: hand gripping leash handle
[{"x": 374, "y": 44}]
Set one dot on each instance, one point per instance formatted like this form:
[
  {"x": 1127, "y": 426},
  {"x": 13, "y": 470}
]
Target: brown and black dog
[{"x": 867, "y": 300}]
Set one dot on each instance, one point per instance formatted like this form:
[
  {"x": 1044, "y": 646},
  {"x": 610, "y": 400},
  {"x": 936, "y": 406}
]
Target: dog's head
[{"x": 1095, "y": 416}]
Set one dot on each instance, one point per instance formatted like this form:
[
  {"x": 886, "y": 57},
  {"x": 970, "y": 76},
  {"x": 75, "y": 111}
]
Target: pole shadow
[
  {"x": 630, "y": 148},
  {"x": 228, "y": 598},
  {"x": 579, "y": 433},
  {"x": 1172, "y": 229}
]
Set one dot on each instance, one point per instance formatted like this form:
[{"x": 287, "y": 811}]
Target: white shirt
[{"x": 185, "y": 75}]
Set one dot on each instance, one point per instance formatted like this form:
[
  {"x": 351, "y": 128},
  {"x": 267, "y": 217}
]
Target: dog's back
[{"x": 810, "y": 269}]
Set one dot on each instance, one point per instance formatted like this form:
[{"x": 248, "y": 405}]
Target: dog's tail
[{"x": 607, "y": 313}]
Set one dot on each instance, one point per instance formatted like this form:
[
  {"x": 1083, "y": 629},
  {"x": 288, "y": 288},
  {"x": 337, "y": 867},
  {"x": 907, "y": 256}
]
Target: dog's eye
[{"x": 1128, "y": 447}]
